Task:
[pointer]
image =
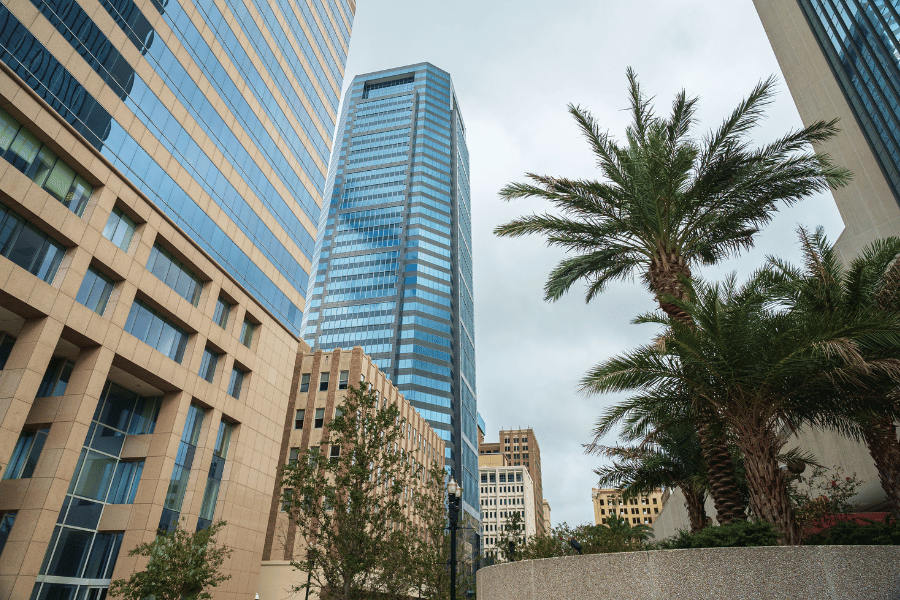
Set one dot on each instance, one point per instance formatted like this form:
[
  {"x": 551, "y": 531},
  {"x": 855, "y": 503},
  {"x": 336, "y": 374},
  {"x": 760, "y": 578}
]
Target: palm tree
[
  {"x": 673, "y": 460},
  {"x": 670, "y": 202},
  {"x": 765, "y": 370},
  {"x": 870, "y": 284}
]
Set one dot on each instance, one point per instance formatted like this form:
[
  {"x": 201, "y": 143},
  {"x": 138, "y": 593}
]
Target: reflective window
[
  {"x": 6, "y": 523},
  {"x": 56, "y": 377},
  {"x": 323, "y": 381},
  {"x": 208, "y": 364},
  {"x": 214, "y": 479},
  {"x": 320, "y": 418},
  {"x": 223, "y": 309},
  {"x": 6, "y": 345},
  {"x": 236, "y": 383},
  {"x": 304, "y": 382},
  {"x": 26, "y": 153},
  {"x": 344, "y": 380},
  {"x": 247, "y": 330},
  {"x": 182, "y": 470},
  {"x": 299, "y": 416},
  {"x": 119, "y": 229},
  {"x": 155, "y": 330},
  {"x": 95, "y": 290},
  {"x": 175, "y": 274},
  {"x": 25, "y": 455},
  {"x": 28, "y": 246}
]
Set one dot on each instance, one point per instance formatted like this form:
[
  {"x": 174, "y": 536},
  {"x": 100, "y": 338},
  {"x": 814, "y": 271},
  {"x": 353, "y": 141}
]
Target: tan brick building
[
  {"x": 642, "y": 510},
  {"x": 521, "y": 448},
  {"x": 319, "y": 383}
]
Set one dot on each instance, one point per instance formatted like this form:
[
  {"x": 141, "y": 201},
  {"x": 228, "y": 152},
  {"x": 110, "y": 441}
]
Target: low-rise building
[{"x": 638, "y": 510}]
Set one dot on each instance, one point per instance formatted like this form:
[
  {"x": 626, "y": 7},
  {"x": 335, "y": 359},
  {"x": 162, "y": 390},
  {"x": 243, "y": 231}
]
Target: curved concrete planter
[{"x": 769, "y": 573}]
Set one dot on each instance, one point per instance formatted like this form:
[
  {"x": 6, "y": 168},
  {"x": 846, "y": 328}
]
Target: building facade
[
  {"x": 520, "y": 448},
  {"x": 319, "y": 388},
  {"x": 642, "y": 510},
  {"x": 394, "y": 253},
  {"x": 841, "y": 58},
  {"x": 505, "y": 489},
  {"x": 140, "y": 383},
  {"x": 221, "y": 113}
]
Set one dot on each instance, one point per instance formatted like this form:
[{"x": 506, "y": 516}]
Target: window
[
  {"x": 286, "y": 499},
  {"x": 654, "y": 501},
  {"x": 344, "y": 380},
  {"x": 298, "y": 419},
  {"x": 6, "y": 524},
  {"x": 42, "y": 166},
  {"x": 174, "y": 274},
  {"x": 28, "y": 247},
  {"x": 6, "y": 345},
  {"x": 304, "y": 382},
  {"x": 223, "y": 309},
  {"x": 247, "y": 330},
  {"x": 320, "y": 418},
  {"x": 237, "y": 381},
  {"x": 119, "y": 229},
  {"x": 323, "y": 382},
  {"x": 208, "y": 364},
  {"x": 25, "y": 455},
  {"x": 293, "y": 455},
  {"x": 602, "y": 511},
  {"x": 56, "y": 378},
  {"x": 125, "y": 482},
  {"x": 335, "y": 452},
  {"x": 95, "y": 290},
  {"x": 655, "y": 511},
  {"x": 484, "y": 478},
  {"x": 153, "y": 329}
]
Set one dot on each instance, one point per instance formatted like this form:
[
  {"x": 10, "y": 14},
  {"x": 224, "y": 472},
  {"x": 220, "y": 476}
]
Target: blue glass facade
[
  {"x": 861, "y": 41},
  {"x": 394, "y": 251},
  {"x": 240, "y": 99}
]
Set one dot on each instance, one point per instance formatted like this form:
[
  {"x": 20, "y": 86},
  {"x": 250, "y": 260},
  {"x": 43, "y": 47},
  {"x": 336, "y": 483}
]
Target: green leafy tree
[
  {"x": 350, "y": 499},
  {"x": 182, "y": 565},
  {"x": 669, "y": 202},
  {"x": 511, "y": 537},
  {"x": 765, "y": 370}
]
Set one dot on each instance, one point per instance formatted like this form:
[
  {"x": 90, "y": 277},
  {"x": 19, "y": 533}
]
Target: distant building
[
  {"x": 547, "y": 522},
  {"x": 521, "y": 448},
  {"x": 641, "y": 510},
  {"x": 505, "y": 489},
  {"x": 319, "y": 388}
]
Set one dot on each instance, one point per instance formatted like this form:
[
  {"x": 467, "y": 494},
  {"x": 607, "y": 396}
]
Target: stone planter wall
[{"x": 768, "y": 573}]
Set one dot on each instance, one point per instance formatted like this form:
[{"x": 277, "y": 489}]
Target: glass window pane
[
  {"x": 23, "y": 150},
  {"x": 43, "y": 165},
  {"x": 96, "y": 475},
  {"x": 78, "y": 195},
  {"x": 60, "y": 180},
  {"x": 71, "y": 552},
  {"x": 26, "y": 248},
  {"x": 8, "y": 129}
]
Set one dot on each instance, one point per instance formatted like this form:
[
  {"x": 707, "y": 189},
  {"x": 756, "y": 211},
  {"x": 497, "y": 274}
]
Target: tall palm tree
[
  {"x": 669, "y": 202},
  {"x": 870, "y": 284},
  {"x": 765, "y": 370}
]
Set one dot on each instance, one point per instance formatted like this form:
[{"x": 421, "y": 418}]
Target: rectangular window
[
  {"x": 56, "y": 378},
  {"x": 26, "y": 454},
  {"x": 6, "y": 525},
  {"x": 125, "y": 482},
  {"x": 299, "y": 415},
  {"x": 344, "y": 380},
  {"x": 119, "y": 229},
  {"x": 208, "y": 364},
  {"x": 294, "y": 455},
  {"x": 335, "y": 452},
  {"x": 247, "y": 330},
  {"x": 26, "y": 153},
  {"x": 95, "y": 290},
  {"x": 182, "y": 470},
  {"x": 237, "y": 381},
  {"x": 323, "y": 382},
  {"x": 304, "y": 382},
  {"x": 27, "y": 246},
  {"x": 320, "y": 418},
  {"x": 223, "y": 309},
  {"x": 214, "y": 479},
  {"x": 6, "y": 345},
  {"x": 156, "y": 331},
  {"x": 174, "y": 274}
]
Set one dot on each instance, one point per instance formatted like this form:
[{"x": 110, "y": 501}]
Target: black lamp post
[{"x": 455, "y": 495}]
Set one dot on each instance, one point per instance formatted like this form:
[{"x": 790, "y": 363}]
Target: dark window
[
  {"x": 208, "y": 364},
  {"x": 298, "y": 418},
  {"x": 119, "y": 229},
  {"x": 223, "y": 309},
  {"x": 6, "y": 345},
  {"x": 95, "y": 290},
  {"x": 237, "y": 381},
  {"x": 335, "y": 452},
  {"x": 26, "y": 454},
  {"x": 323, "y": 382},
  {"x": 27, "y": 246},
  {"x": 247, "y": 330},
  {"x": 294, "y": 455},
  {"x": 344, "y": 380},
  {"x": 320, "y": 418},
  {"x": 56, "y": 378},
  {"x": 174, "y": 274},
  {"x": 155, "y": 330},
  {"x": 304, "y": 382},
  {"x": 125, "y": 482},
  {"x": 6, "y": 524}
]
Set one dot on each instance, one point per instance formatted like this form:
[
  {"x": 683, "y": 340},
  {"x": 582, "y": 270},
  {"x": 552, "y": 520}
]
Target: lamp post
[{"x": 454, "y": 492}]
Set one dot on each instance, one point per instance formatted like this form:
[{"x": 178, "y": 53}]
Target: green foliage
[
  {"x": 851, "y": 533},
  {"x": 182, "y": 566},
  {"x": 617, "y": 536},
  {"x": 739, "y": 534},
  {"x": 819, "y": 496}
]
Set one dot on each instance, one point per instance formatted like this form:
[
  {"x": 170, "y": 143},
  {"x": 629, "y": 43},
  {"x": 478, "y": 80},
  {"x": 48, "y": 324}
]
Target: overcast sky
[{"x": 515, "y": 67}]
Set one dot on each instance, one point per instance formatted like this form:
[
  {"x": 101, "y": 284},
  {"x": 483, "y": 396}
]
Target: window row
[{"x": 343, "y": 381}]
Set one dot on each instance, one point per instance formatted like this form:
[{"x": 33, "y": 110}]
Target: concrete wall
[{"x": 770, "y": 573}]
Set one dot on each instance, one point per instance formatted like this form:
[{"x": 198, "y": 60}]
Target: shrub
[
  {"x": 740, "y": 534},
  {"x": 851, "y": 533}
]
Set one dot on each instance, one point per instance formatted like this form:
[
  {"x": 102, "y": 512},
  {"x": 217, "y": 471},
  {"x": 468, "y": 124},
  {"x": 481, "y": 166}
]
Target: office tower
[
  {"x": 841, "y": 58},
  {"x": 319, "y": 389},
  {"x": 505, "y": 489},
  {"x": 641, "y": 510},
  {"x": 520, "y": 447},
  {"x": 394, "y": 252},
  {"x": 160, "y": 168}
]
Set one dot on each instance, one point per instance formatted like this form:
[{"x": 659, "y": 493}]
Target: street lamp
[{"x": 454, "y": 491}]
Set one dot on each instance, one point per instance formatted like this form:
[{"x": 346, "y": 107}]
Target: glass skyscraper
[
  {"x": 221, "y": 112},
  {"x": 861, "y": 42},
  {"x": 394, "y": 252}
]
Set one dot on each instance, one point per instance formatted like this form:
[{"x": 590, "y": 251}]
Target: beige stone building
[
  {"x": 547, "y": 523},
  {"x": 642, "y": 510},
  {"x": 319, "y": 383},
  {"x": 521, "y": 448},
  {"x": 505, "y": 489},
  {"x": 140, "y": 383}
]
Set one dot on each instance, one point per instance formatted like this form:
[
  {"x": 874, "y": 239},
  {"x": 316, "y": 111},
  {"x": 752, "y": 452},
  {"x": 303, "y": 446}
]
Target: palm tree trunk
[
  {"x": 767, "y": 486},
  {"x": 694, "y": 502},
  {"x": 881, "y": 439},
  {"x": 723, "y": 484}
]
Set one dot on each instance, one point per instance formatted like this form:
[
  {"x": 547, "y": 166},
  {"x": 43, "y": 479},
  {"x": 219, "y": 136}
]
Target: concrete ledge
[{"x": 768, "y": 573}]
